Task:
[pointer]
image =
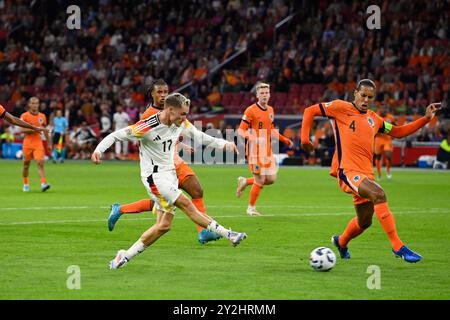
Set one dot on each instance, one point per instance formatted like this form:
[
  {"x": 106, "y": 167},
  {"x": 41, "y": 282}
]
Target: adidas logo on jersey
[{"x": 157, "y": 138}]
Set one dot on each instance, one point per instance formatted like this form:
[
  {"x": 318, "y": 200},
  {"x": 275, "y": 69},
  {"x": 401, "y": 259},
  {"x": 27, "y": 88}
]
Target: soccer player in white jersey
[
  {"x": 121, "y": 120},
  {"x": 158, "y": 135}
]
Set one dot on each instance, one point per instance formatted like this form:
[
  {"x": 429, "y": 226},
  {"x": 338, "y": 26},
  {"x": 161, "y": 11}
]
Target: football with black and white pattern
[{"x": 322, "y": 259}]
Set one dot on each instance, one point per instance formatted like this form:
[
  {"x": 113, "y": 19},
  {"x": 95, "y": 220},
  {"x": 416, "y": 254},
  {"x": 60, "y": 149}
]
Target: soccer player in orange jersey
[
  {"x": 188, "y": 181},
  {"x": 384, "y": 146},
  {"x": 257, "y": 126},
  {"x": 33, "y": 147},
  {"x": 355, "y": 127}
]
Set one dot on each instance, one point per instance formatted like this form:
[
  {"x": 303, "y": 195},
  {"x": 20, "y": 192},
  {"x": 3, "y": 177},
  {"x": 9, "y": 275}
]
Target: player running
[
  {"x": 158, "y": 135},
  {"x": 257, "y": 127},
  {"x": 33, "y": 146},
  {"x": 355, "y": 127},
  {"x": 383, "y": 146},
  {"x": 187, "y": 179}
]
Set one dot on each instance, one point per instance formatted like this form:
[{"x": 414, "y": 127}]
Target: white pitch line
[
  {"x": 52, "y": 208},
  {"x": 209, "y": 206},
  {"x": 306, "y": 214}
]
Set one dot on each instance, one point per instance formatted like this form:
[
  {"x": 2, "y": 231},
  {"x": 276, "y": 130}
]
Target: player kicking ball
[
  {"x": 158, "y": 135},
  {"x": 187, "y": 179},
  {"x": 355, "y": 127}
]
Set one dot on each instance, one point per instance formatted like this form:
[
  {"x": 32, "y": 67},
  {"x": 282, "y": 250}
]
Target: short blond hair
[
  {"x": 176, "y": 100},
  {"x": 262, "y": 85}
]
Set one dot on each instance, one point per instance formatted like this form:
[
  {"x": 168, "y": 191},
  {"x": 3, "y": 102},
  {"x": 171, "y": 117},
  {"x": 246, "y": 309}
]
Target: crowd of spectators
[{"x": 123, "y": 45}]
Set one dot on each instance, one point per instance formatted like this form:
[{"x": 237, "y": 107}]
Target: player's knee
[
  {"x": 378, "y": 196},
  {"x": 364, "y": 224},
  {"x": 164, "y": 227},
  {"x": 261, "y": 181},
  {"x": 196, "y": 193}
]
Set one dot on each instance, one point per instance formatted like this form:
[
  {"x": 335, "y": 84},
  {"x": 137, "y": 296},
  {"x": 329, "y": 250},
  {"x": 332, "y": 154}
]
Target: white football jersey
[{"x": 157, "y": 142}]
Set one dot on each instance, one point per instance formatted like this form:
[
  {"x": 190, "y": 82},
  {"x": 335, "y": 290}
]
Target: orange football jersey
[
  {"x": 354, "y": 133},
  {"x": 260, "y": 123},
  {"x": 34, "y": 139}
]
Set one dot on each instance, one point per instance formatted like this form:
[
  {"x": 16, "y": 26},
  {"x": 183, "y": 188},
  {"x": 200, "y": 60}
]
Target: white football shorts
[{"x": 162, "y": 188}]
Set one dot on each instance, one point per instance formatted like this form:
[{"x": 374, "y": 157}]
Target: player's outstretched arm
[
  {"x": 192, "y": 132},
  {"x": 308, "y": 117},
  {"x": 18, "y": 122},
  {"x": 124, "y": 134},
  {"x": 410, "y": 128}
]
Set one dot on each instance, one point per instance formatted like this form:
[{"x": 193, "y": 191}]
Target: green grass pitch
[{"x": 42, "y": 234}]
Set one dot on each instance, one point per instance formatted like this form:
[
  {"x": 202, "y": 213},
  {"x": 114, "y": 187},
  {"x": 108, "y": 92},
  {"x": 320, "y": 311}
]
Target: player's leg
[
  {"x": 55, "y": 151},
  {"x": 207, "y": 222},
  {"x": 270, "y": 179},
  {"x": 377, "y": 155},
  {"x": 188, "y": 181},
  {"x": 39, "y": 156},
  {"x": 264, "y": 174},
  {"x": 242, "y": 183},
  {"x": 192, "y": 186},
  {"x": 388, "y": 162},
  {"x": 27, "y": 156},
  {"x": 373, "y": 191},
  {"x": 44, "y": 185},
  {"x": 257, "y": 186},
  {"x": 136, "y": 207},
  {"x": 117, "y": 210},
  {"x": 356, "y": 226},
  {"x": 161, "y": 227},
  {"x": 378, "y": 165}
]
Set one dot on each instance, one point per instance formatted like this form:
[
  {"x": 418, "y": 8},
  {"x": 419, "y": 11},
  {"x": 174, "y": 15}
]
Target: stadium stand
[{"x": 317, "y": 56}]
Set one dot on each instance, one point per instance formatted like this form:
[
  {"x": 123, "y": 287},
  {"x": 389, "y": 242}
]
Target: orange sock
[
  {"x": 378, "y": 164},
  {"x": 254, "y": 193},
  {"x": 137, "y": 207},
  {"x": 43, "y": 180},
  {"x": 200, "y": 205},
  {"x": 352, "y": 231},
  {"x": 387, "y": 221},
  {"x": 249, "y": 181},
  {"x": 25, "y": 180}
]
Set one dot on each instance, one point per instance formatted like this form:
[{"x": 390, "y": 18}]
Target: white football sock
[
  {"x": 135, "y": 249},
  {"x": 215, "y": 227}
]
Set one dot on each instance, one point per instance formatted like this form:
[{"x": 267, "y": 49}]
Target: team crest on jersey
[
  {"x": 271, "y": 117},
  {"x": 41, "y": 121},
  {"x": 356, "y": 178},
  {"x": 371, "y": 122}
]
